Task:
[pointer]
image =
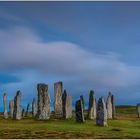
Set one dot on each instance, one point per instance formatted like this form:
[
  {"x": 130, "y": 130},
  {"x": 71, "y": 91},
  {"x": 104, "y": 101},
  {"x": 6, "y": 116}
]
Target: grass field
[{"x": 126, "y": 125}]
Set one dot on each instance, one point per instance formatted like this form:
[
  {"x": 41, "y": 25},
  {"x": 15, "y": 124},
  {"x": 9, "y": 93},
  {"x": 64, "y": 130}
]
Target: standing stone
[
  {"x": 23, "y": 113},
  {"x": 67, "y": 105},
  {"x": 109, "y": 106},
  {"x": 11, "y": 107},
  {"x": 43, "y": 102},
  {"x": 101, "y": 118},
  {"x": 28, "y": 110},
  {"x": 138, "y": 110},
  {"x": 58, "y": 87},
  {"x": 79, "y": 112},
  {"x": 92, "y": 106},
  {"x": 113, "y": 107},
  {"x": 5, "y": 109},
  {"x": 34, "y": 108},
  {"x": 82, "y": 99},
  {"x": 17, "y": 107}
]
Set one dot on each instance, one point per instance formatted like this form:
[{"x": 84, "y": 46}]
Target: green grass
[{"x": 126, "y": 125}]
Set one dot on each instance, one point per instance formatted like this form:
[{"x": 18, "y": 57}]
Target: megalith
[
  {"x": 113, "y": 107},
  {"x": 83, "y": 102},
  {"x": 138, "y": 110},
  {"x": 79, "y": 111},
  {"x": 109, "y": 106},
  {"x": 5, "y": 106},
  {"x": 23, "y": 112},
  {"x": 67, "y": 105},
  {"x": 28, "y": 110},
  {"x": 92, "y": 106},
  {"x": 101, "y": 118},
  {"x": 17, "y": 107},
  {"x": 11, "y": 108},
  {"x": 43, "y": 102},
  {"x": 58, "y": 88},
  {"x": 34, "y": 108}
]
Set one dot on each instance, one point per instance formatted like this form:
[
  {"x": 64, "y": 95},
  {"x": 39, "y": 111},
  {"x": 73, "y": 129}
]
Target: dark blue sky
[{"x": 87, "y": 45}]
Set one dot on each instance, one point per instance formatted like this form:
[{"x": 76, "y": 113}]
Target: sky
[{"x": 87, "y": 45}]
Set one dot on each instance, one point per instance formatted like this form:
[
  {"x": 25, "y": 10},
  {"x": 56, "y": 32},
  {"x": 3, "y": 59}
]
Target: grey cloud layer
[{"x": 21, "y": 48}]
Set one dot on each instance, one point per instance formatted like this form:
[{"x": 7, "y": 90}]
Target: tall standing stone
[
  {"x": 11, "y": 107},
  {"x": 34, "y": 108},
  {"x": 5, "y": 108},
  {"x": 67, "y": 105},
  {"x": 43, "y": 102},
  {"x": 113, "y": 107},
  {"x": 109, "y": 106},
  {"x": 58, "y": 88},
  {"x": 101, "y": 118},
  {"x": 17, "y": 107},
  {"x": 92, "y": 105},
  {"x": 83, "y": 102},
  {"x": 138, "y": 110},
  {"x": 28, "y": 110},
  {"x": 23, "y": 112},
  {"x": 79, "y": 111}
]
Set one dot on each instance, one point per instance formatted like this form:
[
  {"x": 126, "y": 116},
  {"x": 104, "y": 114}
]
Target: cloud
[
  {"x": 4, "y": 15},
  {"x": 22, "y": 49}
]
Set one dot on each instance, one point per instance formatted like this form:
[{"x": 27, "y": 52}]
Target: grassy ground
[{"x": 126, "y": 125}]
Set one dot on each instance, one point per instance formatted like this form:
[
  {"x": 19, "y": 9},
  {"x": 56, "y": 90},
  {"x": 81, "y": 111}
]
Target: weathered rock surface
[
  {"x": 109, "y": 106},
  {"x": 17, "y": 107},
  {"x": 101, "y": 118},
  {"x": 67, "y": 105},
  {"x": 11, "y": 108},
  {"x": 83, "y": 102},
  {"x": 43, "y": 102},
  {"x": 5, "y": 108},
  {"x": 28, "y": 110},
  {"x": 113, "y": 107},
  {"x": 23, "y": 113},
  {"x": 58, "y": 88},
  {"x": 79, "y": 113},
  {"x": 138, "y": 110},
  {"x": 92, "y": 105},
  {"x": 34, "y": 108}
]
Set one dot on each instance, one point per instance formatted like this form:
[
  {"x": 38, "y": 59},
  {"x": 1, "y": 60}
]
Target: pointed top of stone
[
  {"x": 91, "y": 91},
  {"x": 34, "y": 99},
  {"x": 64, "y": 95},
  {"x": 81, "y": 96},
  {"x": 65, "y": 92},
  {"x": 109, "y": 93},
  {"x": 18, "y": 93},
  {"x": 101, "y": 97}
]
